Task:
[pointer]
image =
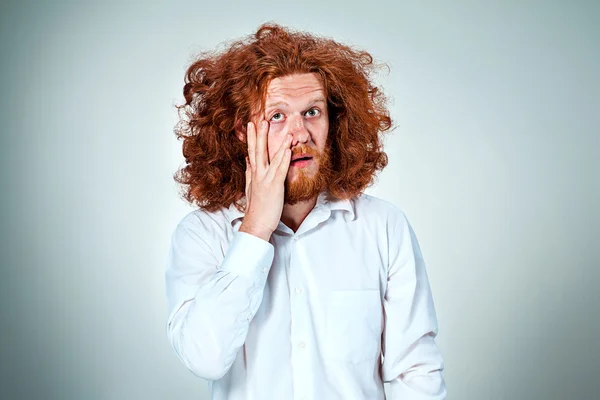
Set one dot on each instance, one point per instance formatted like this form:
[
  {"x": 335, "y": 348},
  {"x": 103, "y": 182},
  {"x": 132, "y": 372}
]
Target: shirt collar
[{"x": 325, "y": 201}]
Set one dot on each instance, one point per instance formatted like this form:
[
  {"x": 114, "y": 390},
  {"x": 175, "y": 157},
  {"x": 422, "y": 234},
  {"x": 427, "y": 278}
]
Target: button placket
[{"x": 300, "y": 320}]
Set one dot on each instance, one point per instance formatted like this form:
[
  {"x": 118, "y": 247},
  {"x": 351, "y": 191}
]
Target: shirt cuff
[{"x": 248, "y": 256}]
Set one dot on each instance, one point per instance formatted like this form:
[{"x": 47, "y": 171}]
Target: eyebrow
[{"x": 283, "y": 103}]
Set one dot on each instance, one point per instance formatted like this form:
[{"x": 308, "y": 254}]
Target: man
[{"x": 287, "y": 281}]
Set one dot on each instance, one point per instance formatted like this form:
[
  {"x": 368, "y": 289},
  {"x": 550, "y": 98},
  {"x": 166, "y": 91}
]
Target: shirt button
[
  {"x": 298, "y": 290},
  {"x": 295, "y": 238},
  {"x": 265, "y": 270},
  {"x": 301, "y": 345}
]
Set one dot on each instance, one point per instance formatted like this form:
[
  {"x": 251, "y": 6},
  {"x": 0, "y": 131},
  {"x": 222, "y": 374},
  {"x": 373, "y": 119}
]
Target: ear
[{"x": 240, "y": 130}]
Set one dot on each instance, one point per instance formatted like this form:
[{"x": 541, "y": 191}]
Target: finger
[
  {"x": 248, "y": 178},
  {"x": 248, "y": 173},
  {"x": 284, "y": 166},
  {"x": 280, "y": 157},
  {"x": 261, "y": 145},
  {"x": 251, "y": 139},
  {"x": 285, "y": 144}
]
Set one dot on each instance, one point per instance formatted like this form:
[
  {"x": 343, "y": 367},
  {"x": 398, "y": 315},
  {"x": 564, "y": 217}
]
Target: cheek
[{"x": 320, "y": 130}]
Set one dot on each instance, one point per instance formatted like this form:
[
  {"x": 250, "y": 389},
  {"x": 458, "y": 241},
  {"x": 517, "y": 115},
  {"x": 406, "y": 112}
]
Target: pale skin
[{"x": 295, "y": 115}]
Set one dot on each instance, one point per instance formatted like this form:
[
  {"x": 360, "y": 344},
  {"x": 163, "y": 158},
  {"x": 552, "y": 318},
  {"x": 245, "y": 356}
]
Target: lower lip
[{"x": 300, "y": 163}]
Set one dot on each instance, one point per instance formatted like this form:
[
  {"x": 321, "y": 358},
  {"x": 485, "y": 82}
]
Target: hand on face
[
  {"x": 296, "y": 115},
  {"x": 264, "y": 182}
]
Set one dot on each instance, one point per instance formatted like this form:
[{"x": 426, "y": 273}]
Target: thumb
[{"x": 248, "y": 176}]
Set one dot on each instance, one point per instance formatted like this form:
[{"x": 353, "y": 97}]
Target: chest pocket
[{"x": 354, "y": 320}]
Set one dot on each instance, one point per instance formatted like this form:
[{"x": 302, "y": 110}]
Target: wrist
[{"x": 252, "y": 229}]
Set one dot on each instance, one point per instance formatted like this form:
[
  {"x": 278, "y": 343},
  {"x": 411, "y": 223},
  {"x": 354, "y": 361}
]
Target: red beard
[{"x": 307, "y": 185}]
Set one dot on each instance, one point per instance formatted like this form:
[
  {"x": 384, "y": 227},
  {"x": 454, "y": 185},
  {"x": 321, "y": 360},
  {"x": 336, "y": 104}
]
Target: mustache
[{"x": 305, "y": 150}]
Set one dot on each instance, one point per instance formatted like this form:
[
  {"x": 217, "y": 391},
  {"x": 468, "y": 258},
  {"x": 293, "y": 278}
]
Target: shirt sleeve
[
  {"x": 412, "y": 364},
  {"x": 211, "y": 303}
]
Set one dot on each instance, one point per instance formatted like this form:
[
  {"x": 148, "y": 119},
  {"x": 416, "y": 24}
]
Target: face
[{"x": 297, "y": 104}]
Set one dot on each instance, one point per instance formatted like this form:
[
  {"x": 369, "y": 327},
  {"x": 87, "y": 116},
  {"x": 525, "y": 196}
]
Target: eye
[
  {"x": 313, "y": 112},
  {"x": 277, "y": 117}
]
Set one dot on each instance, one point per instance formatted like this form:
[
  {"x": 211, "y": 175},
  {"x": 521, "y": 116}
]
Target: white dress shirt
[{"x": 328, "y": 312}]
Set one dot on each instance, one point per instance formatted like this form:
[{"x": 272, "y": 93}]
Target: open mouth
[
  {"x": 301, "y": 161},
  {"x": 303, "y": 158}
]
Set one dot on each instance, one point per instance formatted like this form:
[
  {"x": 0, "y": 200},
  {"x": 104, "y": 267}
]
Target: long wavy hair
[{"x": 225, "y": 89}]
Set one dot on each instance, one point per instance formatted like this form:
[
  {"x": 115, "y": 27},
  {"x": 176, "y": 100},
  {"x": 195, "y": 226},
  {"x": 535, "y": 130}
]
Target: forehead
[{"x": 295, "y": 86}]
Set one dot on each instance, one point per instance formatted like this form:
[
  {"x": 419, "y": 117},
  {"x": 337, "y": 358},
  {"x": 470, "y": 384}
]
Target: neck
[{"x": 293, "y": 215}]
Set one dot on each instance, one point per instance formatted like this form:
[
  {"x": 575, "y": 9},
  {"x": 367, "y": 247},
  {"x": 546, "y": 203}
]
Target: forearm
[
  {"x": 413, "y": 365},
  {"x": 420, "y": 374},
  {"x": 209, "y": 328}
]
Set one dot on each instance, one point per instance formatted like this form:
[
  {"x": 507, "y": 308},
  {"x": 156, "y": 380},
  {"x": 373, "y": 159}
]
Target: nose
[{"x": 298, "y": 130}]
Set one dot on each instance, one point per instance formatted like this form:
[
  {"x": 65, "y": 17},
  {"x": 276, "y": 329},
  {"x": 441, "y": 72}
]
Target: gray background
[{"x": 494, "y": 160}]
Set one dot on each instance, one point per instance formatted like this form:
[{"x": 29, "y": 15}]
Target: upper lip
[{"x": 301, "y": 156}]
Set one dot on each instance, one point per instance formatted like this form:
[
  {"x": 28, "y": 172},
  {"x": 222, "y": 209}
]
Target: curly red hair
[{"x": 224, "y": 90}]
